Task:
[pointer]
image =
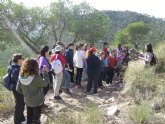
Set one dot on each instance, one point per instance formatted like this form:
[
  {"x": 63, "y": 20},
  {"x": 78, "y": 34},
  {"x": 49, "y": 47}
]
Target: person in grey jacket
[{"x": 31, "y": 85}]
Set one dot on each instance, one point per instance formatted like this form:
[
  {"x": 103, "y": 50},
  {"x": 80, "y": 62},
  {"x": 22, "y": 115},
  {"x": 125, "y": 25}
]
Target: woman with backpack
[
  {"x": 58, "y": 63},
  {"x": 149, "y": 57},
  {"x": 111, "y": 63},
  {"x": 13, "y": 71},
  {"x": 31, "y": 86},
  {"x": 78, "y": 59},
  {"x": 93, "y": 70}
]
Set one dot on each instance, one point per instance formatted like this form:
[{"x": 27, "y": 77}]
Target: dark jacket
[
  {"x": 14, "y": 69},
  {"x": 93, "y": 65},
  {"x": 69, "y": 56}
]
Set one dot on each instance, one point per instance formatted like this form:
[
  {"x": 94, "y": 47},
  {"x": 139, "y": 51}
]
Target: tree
[
  {"x": 133, "y": 34},
  {"x": 88, "y": 23}
]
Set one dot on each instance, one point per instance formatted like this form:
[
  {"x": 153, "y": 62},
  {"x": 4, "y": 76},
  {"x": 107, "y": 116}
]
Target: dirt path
[{"x": 109, "y": 96}]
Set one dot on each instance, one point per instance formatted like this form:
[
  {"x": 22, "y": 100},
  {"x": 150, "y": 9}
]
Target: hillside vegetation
[{"x": 120, "y": 20}]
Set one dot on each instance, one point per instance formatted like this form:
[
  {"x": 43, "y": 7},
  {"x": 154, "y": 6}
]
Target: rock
[
  {"x": 63, "y": 109},
  {"x": 155, "y": 107},
  {"x": 110, "y": 111}
]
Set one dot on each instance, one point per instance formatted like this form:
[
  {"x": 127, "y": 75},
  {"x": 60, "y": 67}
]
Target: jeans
[
  {"x": 92, "y": 80},
  {"x": 33, "y": 115},
  {"x": 79, "y": 75},
  {"x": 19, "y": 108},
  {"x": 111, "y": 73},
  {"x": 57, "y": 83},
  {"x": 66, "y": 76},
  {"x": 71, "y": 74},
  {"x": 101, "y": 77}
]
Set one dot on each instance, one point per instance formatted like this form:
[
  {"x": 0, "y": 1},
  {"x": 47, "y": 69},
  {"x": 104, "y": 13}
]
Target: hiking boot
[{"x": 57, "y": 98}]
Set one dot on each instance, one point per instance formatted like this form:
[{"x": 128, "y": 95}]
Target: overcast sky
[{"x": 151, "y": 7}]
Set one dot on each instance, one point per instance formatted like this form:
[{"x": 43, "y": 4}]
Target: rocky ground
[{"x": 110, "y": 100}]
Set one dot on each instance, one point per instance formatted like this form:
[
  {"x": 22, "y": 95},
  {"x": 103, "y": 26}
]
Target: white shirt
[
  {"x": 148, "y": 57},
  {"x": 79, "y": 58}
]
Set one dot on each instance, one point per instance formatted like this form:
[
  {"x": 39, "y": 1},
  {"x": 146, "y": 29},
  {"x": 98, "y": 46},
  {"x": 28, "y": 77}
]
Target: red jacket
[
  {"x": 106, "y": 52},
  {"x": 60, "y": 57},
  {"x": 112, "y": 62}
]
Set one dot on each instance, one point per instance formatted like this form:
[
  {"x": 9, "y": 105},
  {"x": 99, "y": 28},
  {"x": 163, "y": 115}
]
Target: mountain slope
[{"x": 120, "y": 19}]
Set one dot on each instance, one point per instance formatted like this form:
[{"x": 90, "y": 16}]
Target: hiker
[
  {"x": 31, "y": 85},
  {"x": 79, "y": 58},
  {"x": 105, "y": 49},
  {"x": 149, "y": 57},
  {"x": 86, "y": 48},
  {"x": 42, "y": 60},
  {"x": 93, "y": 70},
  {"x": 13, "y": 70},
  {"x": 126, "y": 58},
  {"x": 102, "y": 72},
  {"x": 59, "y": 76},
  {"x": 111, "y": 63},
  {"x": 69, "y": 59}
]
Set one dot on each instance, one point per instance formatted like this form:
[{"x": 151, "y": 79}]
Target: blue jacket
[
  {"x": 14, "y": 69},
  {"x": 93, "y": 65},
  {"x": 69, "y": 57}
]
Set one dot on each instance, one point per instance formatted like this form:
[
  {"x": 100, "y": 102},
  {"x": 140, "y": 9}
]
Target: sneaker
[
  {"x": 95, "y": 94},
  {"x": 110, "y": 85},
  {"x": 57, "y": 98}
]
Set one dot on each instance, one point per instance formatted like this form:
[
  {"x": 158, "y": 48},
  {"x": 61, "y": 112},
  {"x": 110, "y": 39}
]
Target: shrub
[{"x": 141, "y": 113}]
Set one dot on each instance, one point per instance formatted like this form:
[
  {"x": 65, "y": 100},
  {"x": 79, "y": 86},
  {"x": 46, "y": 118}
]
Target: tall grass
[{"x": 90, "y": 115}]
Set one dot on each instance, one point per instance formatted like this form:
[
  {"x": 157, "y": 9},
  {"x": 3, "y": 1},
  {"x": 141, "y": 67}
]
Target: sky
[{"x": 154, "y": 8}]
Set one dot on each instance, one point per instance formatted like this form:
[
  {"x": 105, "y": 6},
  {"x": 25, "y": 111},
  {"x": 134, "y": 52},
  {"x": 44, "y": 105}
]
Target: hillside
[{"x": 120, "y": 19}]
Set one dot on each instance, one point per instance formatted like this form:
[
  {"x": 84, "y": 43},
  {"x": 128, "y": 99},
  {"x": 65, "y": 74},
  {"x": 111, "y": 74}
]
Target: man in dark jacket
[{"x": 69, "y": 58}]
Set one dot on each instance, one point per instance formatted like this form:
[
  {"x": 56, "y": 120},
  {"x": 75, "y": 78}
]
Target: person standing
[
  {"x": 93, "y": 70},
  {"x": 13, "y": 70},
  {"x": 31, "y": 85},
  {"x": 42, "y": 60},
  {"x": 111, "y": 62},
  {"x": 69, "y": 59},
  {"x": 58, "y": 78},
  {"x": 78, "y": 59},
  {"x": 102, "y": 72}
]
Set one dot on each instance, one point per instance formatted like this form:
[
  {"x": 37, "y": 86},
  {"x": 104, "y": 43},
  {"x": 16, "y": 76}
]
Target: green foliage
[
  {"x": 141, "y": 113},
  {"x": 132, "y": 34},
  {"x": 120, "y": 20}
]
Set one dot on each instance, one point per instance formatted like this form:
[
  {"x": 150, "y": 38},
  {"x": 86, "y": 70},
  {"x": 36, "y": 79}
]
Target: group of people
[{"x": 34, "y": 77}]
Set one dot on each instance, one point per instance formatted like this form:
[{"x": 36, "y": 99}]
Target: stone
[
  {"x": 109, "y": 111},
  {"x": 155, "y": 107}
]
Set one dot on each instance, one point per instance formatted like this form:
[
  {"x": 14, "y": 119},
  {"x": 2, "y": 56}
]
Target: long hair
[
  {"x": 149, "y": 48},
  {"x": 88, "y": 53},
  {"x": 43, "y": 50},
  {"x": 29, "y": 67}
]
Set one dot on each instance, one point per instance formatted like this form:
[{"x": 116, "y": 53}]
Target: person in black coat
[
  {"x": 93, "y": 70},
  {"x": 14, "y": 70},
  {"x": 69, "y": 59}
]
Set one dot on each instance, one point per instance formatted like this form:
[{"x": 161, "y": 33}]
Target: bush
[
  {"x": 141, "y": 113},
  {"x": 6, "y": 98}
]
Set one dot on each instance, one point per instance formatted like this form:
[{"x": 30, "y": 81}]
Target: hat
[
  {"x": 93, "y": 49},
  {"x": 58, "y": 48}
]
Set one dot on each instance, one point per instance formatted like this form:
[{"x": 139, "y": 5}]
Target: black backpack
[
  {"x": 153, "y": 60},
  {"x": 8, "y": 83}
]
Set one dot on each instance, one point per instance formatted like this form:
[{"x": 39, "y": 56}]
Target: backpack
[
  {"x": 153, "y": 60},
  {"x": 8, "y": 83},
  {"x": 57, "y": 66}
]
